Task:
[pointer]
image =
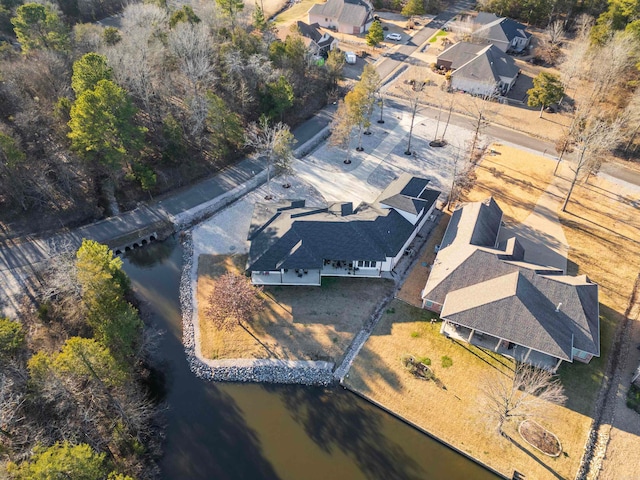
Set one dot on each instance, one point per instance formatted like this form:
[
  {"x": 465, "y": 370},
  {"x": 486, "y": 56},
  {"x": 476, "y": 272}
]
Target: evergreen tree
[
  {"x": 115, "y": 321},
  {"x": 259, "y": 20},
  {"x": 102, "y": 127},
  {"x": 277, "y": 98},
  {"x": 61, "y": 460},
  {"x": 185, "y": 14},
  {"x": 224, "y": 124},
  {"x": 413, "y": 7},
  {"x": 88, "y": 71},
  {"x": 231, "y": 8},
  {"x": 547, "y": 89},
  {"x": 11, "y": 337},
  {"x": 375, "y": 35},
  {"x": 38, "y": 27}
]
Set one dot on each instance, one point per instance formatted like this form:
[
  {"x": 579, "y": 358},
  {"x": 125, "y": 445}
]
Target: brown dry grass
[
  {"x": 603, "y": 230},
  {"x": 297, "y": 323},
  {"x": 515, "y": 178},
  {"x": 455, "y": 414}
]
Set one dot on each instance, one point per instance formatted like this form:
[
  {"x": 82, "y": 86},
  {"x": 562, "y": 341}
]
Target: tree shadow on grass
[{"x": 530, "y": 454}]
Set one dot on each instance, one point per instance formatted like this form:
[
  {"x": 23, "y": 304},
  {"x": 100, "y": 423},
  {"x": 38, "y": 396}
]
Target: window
[{"x": 367, "y": 263}]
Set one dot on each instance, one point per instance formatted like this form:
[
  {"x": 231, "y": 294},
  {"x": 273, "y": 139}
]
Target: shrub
[
  {"x": 11, "y": 337},
  {"x": 446, "y": 362},
  {"x": 415, "y": 334},
  {"x": 633, "y": 398}
]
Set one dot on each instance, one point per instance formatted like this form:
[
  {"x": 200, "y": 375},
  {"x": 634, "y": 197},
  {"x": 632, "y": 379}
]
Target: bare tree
[
  {"x": 233, "y": 300},
  {"x": 480, "y": 111},
  {"x": 592, "y": 139},
  {"x": 415, "y": 95},
  {"x": 523, "y": 393},
  {"x": 273, "y": 142},
  {"x": 192, "y": 46},
  {"x": 341, "y": 128},
  {"x": 462, "y": 179},
  {"x": 631, "y": 118}
]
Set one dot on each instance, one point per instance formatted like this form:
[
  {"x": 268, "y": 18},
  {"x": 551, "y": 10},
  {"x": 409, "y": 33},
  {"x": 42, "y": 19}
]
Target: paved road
[{"x": 397, "y": 58}]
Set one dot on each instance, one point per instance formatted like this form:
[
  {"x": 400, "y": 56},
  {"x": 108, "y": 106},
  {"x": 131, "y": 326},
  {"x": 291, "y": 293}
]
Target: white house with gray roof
[
  {"x": 345, "y": 16},
  {"x": 487, "y": 295},
  {"x": 506, "y": 34},
  {"x": 479, "y": 69},
  {"x": 292, "y": 244}
]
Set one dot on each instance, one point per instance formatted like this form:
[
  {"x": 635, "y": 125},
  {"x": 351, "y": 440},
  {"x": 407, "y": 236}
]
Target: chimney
[{"x": 558, "y": 307}]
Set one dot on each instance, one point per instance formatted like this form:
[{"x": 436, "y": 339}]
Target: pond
[{"x": 239, "y": 431}]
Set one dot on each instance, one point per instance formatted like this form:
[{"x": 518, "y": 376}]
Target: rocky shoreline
[{"x": 240, "y": 370}]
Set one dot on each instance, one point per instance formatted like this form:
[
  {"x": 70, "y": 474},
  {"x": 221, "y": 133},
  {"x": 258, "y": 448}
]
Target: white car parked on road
[{"x": 394, "y": 36}]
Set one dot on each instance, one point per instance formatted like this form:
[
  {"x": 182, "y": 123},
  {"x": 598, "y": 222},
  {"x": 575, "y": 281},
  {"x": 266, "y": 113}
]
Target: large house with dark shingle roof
[
  {"x": 479, "y": 69},
  {"x": 506, "y": 34},
  {"x": 317, "y": 42},
  {"x": 345, "y": 16},
  {"x": 487, "y": 295},
  {"x": 292, "y": 244}
]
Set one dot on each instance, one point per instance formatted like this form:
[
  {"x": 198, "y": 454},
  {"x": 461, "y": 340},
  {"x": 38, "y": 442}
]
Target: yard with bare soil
[
  {"x": 602, "y": 228},
  {"x": 297, "y": 323}
]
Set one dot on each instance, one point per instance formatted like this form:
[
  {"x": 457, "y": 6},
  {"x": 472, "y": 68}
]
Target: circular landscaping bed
[{"x": 540, "y": 438}]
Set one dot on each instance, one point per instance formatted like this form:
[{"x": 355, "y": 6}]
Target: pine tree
[
  {"x": 88, "y": 71},
  {"x": 375, "y": 35},
  {"x": 102, "y": 127},
  {"x": 38, "y": 27},
  {"x": 413, "y": 7},
  {"x": 547, "y": 89}
]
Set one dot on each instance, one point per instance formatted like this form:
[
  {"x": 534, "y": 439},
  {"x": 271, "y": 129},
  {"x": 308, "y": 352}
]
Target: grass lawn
[
  {"x": 455, "y": 414},
  {"x": 439, "y": 33},
  {"x": 602, "y": 228},
  {"x": 296, "y": 12},
  {"x": 516, "y": 179},
  {"x": 297, "y": 323}
]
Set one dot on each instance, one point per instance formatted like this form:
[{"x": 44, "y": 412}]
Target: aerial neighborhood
[{"x": 319, "y": 239}]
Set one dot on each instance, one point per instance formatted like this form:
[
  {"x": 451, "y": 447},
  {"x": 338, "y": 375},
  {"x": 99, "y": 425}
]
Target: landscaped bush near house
[
  {"x": 633, "y": 398},
  {"x": 446, "y": 362}
]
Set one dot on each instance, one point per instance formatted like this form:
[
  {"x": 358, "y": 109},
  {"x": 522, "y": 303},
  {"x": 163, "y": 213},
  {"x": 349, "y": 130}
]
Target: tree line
[
  {"x": 96, "y": 118},
  {"x": 74, "y": 395}
]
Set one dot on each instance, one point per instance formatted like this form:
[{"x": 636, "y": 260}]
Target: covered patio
[
  {"x": 287, "y": 277},
  {"x": 519, "y": 353},
  {"x": 344, "y": 268}
]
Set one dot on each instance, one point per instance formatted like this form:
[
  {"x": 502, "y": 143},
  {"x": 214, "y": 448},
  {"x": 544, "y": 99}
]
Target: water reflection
[{"x": 230, "y": 431}]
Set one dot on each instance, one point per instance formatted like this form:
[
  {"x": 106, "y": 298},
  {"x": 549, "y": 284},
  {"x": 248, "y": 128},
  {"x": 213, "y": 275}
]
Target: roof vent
[{"x": 558, "y": 307}]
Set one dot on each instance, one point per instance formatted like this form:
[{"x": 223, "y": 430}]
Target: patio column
[
  {"x": 444, "y": 324},
  {"x": 471, "y": 335},
  {"x": 498, "y": 345},
  {"x": 557, "y": 365},
  {"x": 526, "y": 357}
]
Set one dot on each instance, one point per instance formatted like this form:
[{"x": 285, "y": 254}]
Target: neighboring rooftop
[
  {"x": 291, "y": 235},
  {"x": 492, "y": 290},
  {"x": 351, "y": 12},
  {"x": 480, "y": 62},
  {"x": 499, "y": 29}
]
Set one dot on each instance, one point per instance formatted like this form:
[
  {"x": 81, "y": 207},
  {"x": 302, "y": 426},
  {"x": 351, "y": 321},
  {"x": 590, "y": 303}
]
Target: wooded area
[
  {"x": 94, "y": 119},
  {"x": 80, "y": 390}
]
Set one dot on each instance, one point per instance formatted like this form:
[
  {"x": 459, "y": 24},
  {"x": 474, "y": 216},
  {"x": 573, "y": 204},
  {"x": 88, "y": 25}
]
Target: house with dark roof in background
[
  {"x": 479, "y": 69},
  {"x": 317, "y": 42},
  {"x": 292, "y": 244},
  {"x": 345, "y": 16},
  {"x": 487, "y": 295},
  {"x": 506, "y": 34}
]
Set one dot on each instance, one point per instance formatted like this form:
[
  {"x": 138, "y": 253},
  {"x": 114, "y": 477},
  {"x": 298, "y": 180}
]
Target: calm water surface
[{"x": 236, "y": 431}]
